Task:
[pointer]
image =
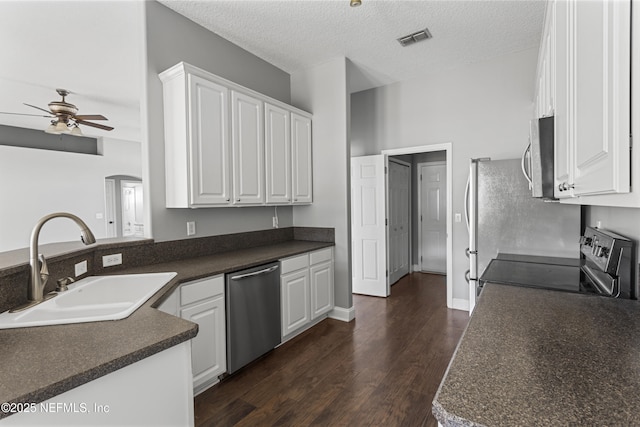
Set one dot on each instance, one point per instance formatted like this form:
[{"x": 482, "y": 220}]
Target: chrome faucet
[{"x": 39, "y": 270}]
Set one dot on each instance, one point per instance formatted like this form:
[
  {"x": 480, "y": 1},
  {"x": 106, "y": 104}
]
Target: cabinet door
[
  {"x": 277, "y": 154},
  {"x": 321, "y": 276},
  {"x": 209, "y": 143},
  {"x": 601, "y": 98},
  {"x": 563, "y": 93},
  {"x": 295, "y": 301},
  {"x": 302, "y": 170},
  {"x": 208, "y": 348},
  {"x": 248, "y": 149}
]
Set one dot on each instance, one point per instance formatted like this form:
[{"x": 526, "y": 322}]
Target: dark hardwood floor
[{"x": 381, "y": 369}]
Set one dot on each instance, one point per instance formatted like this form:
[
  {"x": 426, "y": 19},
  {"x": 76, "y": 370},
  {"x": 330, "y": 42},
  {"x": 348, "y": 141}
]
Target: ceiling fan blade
[
  {"x": 38, "y": 108},
  {"x": 33, "y": 115},
  {"x": 91, "y": 117},
  {"x": 95, "y": 125}
]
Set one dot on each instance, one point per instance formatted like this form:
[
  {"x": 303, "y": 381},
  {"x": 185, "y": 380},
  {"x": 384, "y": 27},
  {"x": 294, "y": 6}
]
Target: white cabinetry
[
  {"x": 197, "y": 152},
  {"x": 592, "y": 102},
  {"x": 296, "y": 310},
  {"x": 202, "y": 302},
  {"x": 321, "y": 278},
  {"x": 226, "y": 145},
  {"x": 306, "y": 290},
  {"x": 277, "y": 154},
  {"x": 545, "y": 82},
  {"x": 302, "y": 173},
  {"x": 248, "y": 149}
]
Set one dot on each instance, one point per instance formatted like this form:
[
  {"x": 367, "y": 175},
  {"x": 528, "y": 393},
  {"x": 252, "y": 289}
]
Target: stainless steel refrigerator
[{"x": 502, "y": 217}]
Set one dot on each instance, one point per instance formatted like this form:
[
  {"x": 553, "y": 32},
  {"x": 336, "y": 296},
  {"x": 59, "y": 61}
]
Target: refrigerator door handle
[{"x": 523, "y": 164}]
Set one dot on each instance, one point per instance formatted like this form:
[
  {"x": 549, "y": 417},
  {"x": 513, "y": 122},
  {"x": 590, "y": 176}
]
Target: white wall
[
  {"x": 483, "y": 109},
  {"x": 171, "y": 38},
  {"x": 39, "y": 182},
  {"x": 323, "y": 91}
]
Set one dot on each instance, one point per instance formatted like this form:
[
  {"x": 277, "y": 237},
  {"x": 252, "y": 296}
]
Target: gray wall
[
  {"x": 171, "y": 38},
  {"x": 323, "y": 91},
  {"x": 483, "y": 109}
]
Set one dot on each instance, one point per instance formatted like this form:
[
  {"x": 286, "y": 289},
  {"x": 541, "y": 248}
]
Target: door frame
[
  {"x": 447, "y": 147},
  {"x": 403, "y": 163},
  {"x": 419, "y": 167},
  {"x": 111, "y": 217}
]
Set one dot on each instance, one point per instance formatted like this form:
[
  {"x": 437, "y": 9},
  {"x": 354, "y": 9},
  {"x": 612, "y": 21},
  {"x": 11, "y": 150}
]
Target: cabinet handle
[
  {"x": 237, "y": 200},
  {"x": 564, "y": 186},
  {"x": 228, "y": 200}
]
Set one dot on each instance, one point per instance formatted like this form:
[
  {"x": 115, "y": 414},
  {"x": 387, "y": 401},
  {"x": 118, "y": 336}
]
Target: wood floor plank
[{"x": 381, "y": 369}]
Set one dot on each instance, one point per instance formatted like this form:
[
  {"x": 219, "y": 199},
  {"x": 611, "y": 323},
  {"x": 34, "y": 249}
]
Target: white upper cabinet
[
  {"x": 226, "y": 145},
  {"x": 602, "y": 98},
  {"x": 593, "y": 99},
  {"x": 545, "y": 84},
  {"x": 302, "y": 171},
  {"x": 248, "y": 149},
  {"x": 277, "y": 154},
  {"x": 197, "y": 155}
]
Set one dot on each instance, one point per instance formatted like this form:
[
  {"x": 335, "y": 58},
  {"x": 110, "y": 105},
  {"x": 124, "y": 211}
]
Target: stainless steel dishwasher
[{"x": 253, "y": 314}]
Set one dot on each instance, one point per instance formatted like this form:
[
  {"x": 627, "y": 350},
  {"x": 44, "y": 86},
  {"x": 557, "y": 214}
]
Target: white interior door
[
  {"x": 132, "y": 209},
  {"x": 433, "y": 217},
  {"x": 399, "y": 179},
  {"x": 368, "y": 227}
]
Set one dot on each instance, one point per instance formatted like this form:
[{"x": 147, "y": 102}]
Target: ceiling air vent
[{"x": 414, "y": 38}]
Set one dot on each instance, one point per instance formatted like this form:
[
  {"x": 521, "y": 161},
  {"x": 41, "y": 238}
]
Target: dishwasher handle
[{"x": 255, "y": 273}]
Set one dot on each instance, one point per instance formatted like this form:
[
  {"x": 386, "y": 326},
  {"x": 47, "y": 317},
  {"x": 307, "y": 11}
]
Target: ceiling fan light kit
[
  {"x": 65, "y": 117},
  {"x": 355, "y": 3}
]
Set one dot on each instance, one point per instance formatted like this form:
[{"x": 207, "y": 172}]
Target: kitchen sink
[{"x": 91, "y": 299}]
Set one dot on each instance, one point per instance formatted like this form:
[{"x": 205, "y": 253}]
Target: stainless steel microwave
[{"x": 538, "y": 158}]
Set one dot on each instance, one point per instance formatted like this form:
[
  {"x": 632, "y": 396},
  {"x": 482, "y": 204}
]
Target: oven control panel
[{"x": 603, "y": 248}]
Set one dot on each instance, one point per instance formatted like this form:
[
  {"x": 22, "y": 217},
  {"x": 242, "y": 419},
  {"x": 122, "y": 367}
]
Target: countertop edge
[{"x": 47, "y": 391}]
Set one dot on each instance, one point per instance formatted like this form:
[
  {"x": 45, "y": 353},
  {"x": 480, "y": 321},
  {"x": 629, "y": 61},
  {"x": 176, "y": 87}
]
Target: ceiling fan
[{"x": 65, "y": 117}]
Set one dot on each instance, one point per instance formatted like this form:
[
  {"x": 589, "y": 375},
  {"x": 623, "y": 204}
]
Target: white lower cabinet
[
  {"x": 202, "y": 302},
  {"x": 321, "y": 276},
  {"x": 296, "y": 311},
  {"x": 306, "y": 290}
]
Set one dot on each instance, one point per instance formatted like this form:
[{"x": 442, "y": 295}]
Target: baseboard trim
[
  {"x": 343, "y": 314},
  {"x": 460, "y": 304}
]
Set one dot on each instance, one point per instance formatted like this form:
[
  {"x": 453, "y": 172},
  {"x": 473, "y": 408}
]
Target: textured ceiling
[{"x": 298, "y": 34}]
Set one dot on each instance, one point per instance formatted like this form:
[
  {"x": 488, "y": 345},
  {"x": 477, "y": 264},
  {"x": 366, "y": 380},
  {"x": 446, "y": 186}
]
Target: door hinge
[
  {"x": 420, "y": 177},
  {"x": 420, "y": 258},
  {"x": 420, "y": 217},
  {"x": 385, "y": 170},
  {"x": 386, "y": 221},
  {"x": 386, "y": 272}
]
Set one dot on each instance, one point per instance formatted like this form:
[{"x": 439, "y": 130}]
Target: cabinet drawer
[
  {"x": 201, "y": 289},
  {"x": 321, "y": 255},
  {"x": 294, "y": 263}
]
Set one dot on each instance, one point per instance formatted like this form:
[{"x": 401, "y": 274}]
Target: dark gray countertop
[
  {"x": 41, "y": 362},
  {"x": 540, "y": 357}
]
